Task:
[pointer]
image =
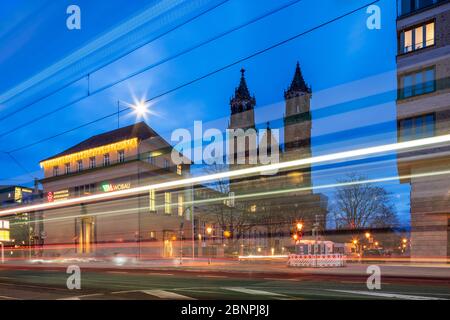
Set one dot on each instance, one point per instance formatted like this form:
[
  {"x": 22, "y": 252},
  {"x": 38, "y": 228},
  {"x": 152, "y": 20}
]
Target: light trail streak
[
  {"x": 340, "y": 156},
  {"x": 243, "y": 196}
]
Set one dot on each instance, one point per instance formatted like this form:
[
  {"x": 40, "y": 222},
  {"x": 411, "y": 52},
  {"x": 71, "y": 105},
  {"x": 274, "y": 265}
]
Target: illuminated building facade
[
  {"x": 10, "y": 195},
  {"x": 423, "y": 110},
  {"x": 145, "y": 225}
]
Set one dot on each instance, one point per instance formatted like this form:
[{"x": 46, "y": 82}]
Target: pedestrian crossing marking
[
  {"x": 388, "y": 295},
  {"x": 162, "y": 294},
  {"x": 253, "y": 291}
]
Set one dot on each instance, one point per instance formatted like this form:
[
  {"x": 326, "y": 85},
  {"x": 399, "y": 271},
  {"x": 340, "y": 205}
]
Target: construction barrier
[{"x": 316, "y": 260}]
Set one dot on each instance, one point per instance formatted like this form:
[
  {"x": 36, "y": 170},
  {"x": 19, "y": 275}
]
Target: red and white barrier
[{"x": 316, "y": 260}]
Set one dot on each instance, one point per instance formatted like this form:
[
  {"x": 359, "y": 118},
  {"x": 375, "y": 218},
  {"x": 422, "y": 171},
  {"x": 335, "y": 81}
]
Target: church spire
[
  {"x": 298, "y": 84},
  {"x": 242, "y": 101}
]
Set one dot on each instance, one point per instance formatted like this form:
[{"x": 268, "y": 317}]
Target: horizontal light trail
[
  {"x": 245, "y": 196},
  {"x": 340, "y": 156},
  {"x": 263, "y": 257}
]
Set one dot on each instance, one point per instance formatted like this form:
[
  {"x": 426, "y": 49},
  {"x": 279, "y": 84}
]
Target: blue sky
[{"x": 351, "y": 70}]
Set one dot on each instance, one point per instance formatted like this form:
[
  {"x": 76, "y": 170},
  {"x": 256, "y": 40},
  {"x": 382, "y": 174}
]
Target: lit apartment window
[
  {"x": 167, "y": 203},
  {"x": 92, "y": 163},
  {"x": 152, "y": 235},
  {"x": 417, "y": 127},
  {"x": 417, "y": 38},
  {"x": 417, "y": 83},
  {"x": 106, "y": 161},
  {"x": 80, "y": 165},
  {"x": 121, "y": 156},
  {"x": 253, "y": 208},
  {"x": 152, "y": 200},
  {"x": 179, "y": 169},
  {"x": 55, "y": 171},
  {"x": 67, "y": 168},
  {"x": 180, "y": 205}
]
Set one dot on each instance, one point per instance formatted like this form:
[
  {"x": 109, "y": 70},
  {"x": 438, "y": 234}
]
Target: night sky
[{"x": 350, "y": 68}]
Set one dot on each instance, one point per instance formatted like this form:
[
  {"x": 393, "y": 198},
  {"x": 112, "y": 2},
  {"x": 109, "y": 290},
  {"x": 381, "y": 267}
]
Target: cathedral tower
[
  {"x": 242, "y": 106},
  {"x": 297, "y": 119}
]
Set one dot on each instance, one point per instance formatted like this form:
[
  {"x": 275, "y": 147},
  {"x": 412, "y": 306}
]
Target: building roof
[
  {"x": 242, "y": 100},
  {"x": 298, "y": 84},
  {"x": 138, "y": 130}
]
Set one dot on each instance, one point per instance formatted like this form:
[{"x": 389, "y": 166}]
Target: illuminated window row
[
  {"x": 92, "y": 163},
  {"x": 168, "y": 204}
]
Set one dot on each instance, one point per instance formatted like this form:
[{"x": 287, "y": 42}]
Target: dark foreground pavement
[{"x": 218, "y": 282}]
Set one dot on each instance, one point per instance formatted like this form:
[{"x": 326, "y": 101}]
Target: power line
[
  {"x": 152, "y": 66},
  {"x": 19, "y": 164},
  {"x": 205, "y": 75},
  {"x": 108, "y": 63}
]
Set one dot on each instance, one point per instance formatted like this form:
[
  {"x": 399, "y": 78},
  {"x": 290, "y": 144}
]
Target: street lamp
[
  {"x": 140, "y": 108},
  {"x": 367, "y": 234},
  {"x": 299, "y": 226}
]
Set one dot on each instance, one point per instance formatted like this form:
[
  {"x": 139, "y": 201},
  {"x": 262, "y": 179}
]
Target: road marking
[
  {"x": 388, "y": 295},
  {"x": 83, "y": 296},
  {"x": 167, "y": 295},
  {"x": 119, "y": 272},
  {"x": 8, "y": 298},
  {"x": 253, "y": 291},
  {"x": 211, "y": 276}
]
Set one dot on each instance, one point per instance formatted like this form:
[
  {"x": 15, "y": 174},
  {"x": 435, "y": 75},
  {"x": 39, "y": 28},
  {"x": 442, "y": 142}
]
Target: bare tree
[
  {"x": 359, "y": 205},
  {"x": 227, "y": 217}
]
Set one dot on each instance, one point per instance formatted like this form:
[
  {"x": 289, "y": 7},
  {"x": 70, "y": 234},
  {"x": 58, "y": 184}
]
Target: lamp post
[{"x": 209, "y": 231}]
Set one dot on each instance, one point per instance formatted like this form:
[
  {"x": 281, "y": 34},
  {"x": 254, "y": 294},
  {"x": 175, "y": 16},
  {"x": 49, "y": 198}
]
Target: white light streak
[{"x": 340, "y": 156}]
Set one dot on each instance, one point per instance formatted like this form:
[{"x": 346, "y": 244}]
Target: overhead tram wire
[
  {"x": 17, "y": 162},
  {"x": 152, "y": 66},
  {"x": 106, "y": 64},
  {"x": 203, "y": 76}
]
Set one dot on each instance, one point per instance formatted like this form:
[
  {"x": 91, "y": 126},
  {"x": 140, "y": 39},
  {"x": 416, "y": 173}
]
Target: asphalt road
[{"x": 118, "y": 285}]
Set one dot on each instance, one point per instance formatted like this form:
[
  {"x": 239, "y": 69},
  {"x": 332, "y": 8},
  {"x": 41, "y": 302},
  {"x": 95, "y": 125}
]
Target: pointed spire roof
[
  {"x": 242, "y": 91},
  {"x": 298, "y": 84},
  {"x": 242, "y": 100}
]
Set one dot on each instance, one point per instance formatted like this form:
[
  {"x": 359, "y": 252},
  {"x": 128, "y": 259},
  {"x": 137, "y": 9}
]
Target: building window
[
  {"x": 152, "y": 200},
  {"x": 417, "y": 83},
  {"x": 417, "y": 127},
  {"x": 80, "y": 165},
  {"x": 166, "y": 163},
  {"x": 106, "y": 159},
  {"x": 55, "y": 171},
  {"x": 409, "y": 6},
  {"x": 253, "y": 208},
  {"x": 179, "y": 169},
  {"x": 67, "y": 168},
  {"x": 180, "y": 205},
  {"x": 121, "y": 156},
  {"x": 152, "y": 235},
  {"x": 151, "y": 159},
  {"x": 167, "y": 203},
  {"x": 417, "y": 38},
  {"x": 92, "y": 163}
]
